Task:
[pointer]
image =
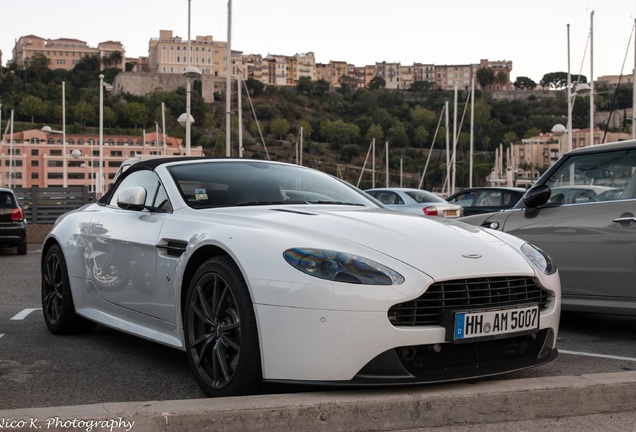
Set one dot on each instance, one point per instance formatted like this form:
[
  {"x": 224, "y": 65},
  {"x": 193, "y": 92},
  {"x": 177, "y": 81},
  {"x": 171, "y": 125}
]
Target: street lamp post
[
  {"x": 191, "y": 72},
  {"x": 102, "y": 85},
  {"x": 559, "y": 130}
]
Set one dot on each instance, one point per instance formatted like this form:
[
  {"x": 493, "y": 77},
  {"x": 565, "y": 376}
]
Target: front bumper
[{"x": 364, "y": 348}]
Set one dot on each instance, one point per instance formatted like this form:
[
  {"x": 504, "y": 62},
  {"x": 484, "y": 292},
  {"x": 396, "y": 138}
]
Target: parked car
[
  {"x": 261, "y": 270},
  {"x": 582, "y": 212},
  {"x": 13, "y": 225},
  {"x": 416, "y": 201},
  {"x": 486, "y": 199}
]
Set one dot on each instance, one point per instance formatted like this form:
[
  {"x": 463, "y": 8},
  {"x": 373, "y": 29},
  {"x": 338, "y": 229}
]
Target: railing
[{"x": 45, "y": 205}]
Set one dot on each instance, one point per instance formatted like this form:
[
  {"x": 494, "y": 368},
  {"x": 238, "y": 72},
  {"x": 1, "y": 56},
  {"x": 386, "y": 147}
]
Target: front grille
[{"x": 487, "y": 292}]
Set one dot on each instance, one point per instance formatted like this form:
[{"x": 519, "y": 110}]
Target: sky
[{"x": 532, "y": 34}]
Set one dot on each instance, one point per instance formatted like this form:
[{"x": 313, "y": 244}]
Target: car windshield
[
  {"x": 594, "y": 177},
  {"x": 242, "y": 183}
]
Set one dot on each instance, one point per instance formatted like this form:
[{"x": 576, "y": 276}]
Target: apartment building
[
  {"x": 497, "y": 67},
  {"x": 390, "y": 72},
  {"x": 65, "y": 53},
  {"x": 449, "y": 76},
  {"x": 34, "y": 158}
]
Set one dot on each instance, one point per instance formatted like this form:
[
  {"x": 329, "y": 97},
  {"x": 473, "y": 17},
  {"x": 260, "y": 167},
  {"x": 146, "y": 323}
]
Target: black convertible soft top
[{"x": 149, "y": 164}]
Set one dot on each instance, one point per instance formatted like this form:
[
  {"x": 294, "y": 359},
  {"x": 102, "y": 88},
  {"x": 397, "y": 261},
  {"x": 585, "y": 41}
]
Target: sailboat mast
[{"x": 228, "y": 79}]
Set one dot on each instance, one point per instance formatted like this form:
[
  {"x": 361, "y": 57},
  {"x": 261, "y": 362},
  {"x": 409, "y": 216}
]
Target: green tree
[
  {"x": 485, "y": 77},
  {"x": 32, "y": 106},
  {"x": 255, "y": 87},
  {"x": 420, "y": 136},
  {"x": 421, "y": 116},
  {"x": 397, "y": 135},
  {"x": 339, "y": 132},
  {"x": 136, "y": 113},
  {"x": 524, "y": 83},
  {"x": 347, "y": 84},
  {"x": 279, "y": 127},
  {"x": 305, "y": 85},
  {"x": 85, "y": 112},
  {"x": 374, "y": 132},
  {"x": 502, "y": 78},
  {"x": 377, "y": 83},
  {"x": 510, "y": 137}
]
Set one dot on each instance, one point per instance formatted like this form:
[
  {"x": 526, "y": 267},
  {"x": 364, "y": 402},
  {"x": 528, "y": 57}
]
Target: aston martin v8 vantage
[{"x": 269, "y": 272}]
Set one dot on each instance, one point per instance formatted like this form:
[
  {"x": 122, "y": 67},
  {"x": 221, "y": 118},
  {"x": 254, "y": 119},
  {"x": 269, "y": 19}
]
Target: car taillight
[
  {"x": 430, "y": 211},
  {"x": 17, "y": 215}
]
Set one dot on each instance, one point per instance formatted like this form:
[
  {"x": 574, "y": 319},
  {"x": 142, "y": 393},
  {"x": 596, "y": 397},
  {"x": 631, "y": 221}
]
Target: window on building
[
  {"x": 35, "y": 175},
  {"x": 35, "y": 152},
  {"x": 116, "y": 153},
  {"x": 76, "y": 176},
  {"x": 56, "y": 153},
  {"x": 54, "y": 175},
  {"x": 35, "y": 163},
  {"x": 54, "y": 163}
]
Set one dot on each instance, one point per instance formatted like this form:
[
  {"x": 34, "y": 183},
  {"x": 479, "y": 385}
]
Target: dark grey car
[
  {"x": 582, "y": 212},
  {"x": 13, "y": 225}
]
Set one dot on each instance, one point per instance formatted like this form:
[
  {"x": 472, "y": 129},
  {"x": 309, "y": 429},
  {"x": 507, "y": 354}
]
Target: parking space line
[
  {"x": 611, "y": 357},
  {"x": 23, "y": 314}
]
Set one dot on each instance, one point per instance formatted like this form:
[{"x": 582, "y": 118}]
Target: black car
[
  {"x": 486, "y": 199},
  {"x": 13, "y": 225}
]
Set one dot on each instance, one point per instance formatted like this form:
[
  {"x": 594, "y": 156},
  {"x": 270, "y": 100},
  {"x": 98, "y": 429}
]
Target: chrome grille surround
[{"x": 462, "y": 294}]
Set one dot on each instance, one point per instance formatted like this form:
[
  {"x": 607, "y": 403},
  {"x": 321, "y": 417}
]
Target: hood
[{"x": 438, "y": 247}]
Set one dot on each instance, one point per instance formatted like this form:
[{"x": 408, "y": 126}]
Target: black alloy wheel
[
  {"x": 220, "y": 330},
  {"x": 57, "y": 300}
]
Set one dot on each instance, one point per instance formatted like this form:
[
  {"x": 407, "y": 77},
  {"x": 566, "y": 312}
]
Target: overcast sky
[{"x": 532, "y": 34}]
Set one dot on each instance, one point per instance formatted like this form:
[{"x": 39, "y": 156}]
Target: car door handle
[{"x": 624, "y": 220}]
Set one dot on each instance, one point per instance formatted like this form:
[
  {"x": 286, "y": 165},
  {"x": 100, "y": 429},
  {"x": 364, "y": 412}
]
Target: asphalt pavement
[{"x": 579, "y": 402}]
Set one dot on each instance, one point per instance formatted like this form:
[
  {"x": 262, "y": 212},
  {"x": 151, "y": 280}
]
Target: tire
[
  {"x": 22, "y": 248},
  {"x": 220, "y": 331},
  {"x": 57, "y": 300}
]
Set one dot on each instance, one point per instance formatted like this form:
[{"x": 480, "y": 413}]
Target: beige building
[
  {"x": 34, "y": 158},
  {"x": 521, "y": 164},
  {"x": 390, "y": 72},
  {"x": 66, "y": 53},
  {"x": 168, "y": 54}
]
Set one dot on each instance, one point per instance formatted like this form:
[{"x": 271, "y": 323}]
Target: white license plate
[{"x": 495, "y": 323}]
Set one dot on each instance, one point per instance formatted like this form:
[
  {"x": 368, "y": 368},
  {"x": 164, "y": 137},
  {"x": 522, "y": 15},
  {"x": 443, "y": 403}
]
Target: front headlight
[
  {"x": 341, "y": 267},
  {"x": 539, "y": 258}
]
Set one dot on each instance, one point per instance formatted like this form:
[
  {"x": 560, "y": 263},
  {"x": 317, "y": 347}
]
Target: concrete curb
[{"x": 396, "y": 408}]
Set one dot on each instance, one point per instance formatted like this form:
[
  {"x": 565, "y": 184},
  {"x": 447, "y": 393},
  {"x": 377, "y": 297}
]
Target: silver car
[
  {"x": 582, "y": 212},
  {"x": 416, "y": 201}
]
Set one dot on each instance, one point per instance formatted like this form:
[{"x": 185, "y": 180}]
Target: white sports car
[{"x": 264, "y": 271}]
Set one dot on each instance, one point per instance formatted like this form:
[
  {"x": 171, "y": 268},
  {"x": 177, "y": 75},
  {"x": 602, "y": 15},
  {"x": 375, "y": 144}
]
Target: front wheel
[
  {"x": 220, "y": 329},
  {"x": 57, "y": 300}
]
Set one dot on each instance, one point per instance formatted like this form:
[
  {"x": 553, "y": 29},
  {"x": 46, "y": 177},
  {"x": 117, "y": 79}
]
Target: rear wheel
[
  {"x": 57, "y": 300},
  {"x": 220, "y": 328}
]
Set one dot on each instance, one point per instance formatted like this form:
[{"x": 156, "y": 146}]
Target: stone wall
[{"x": 140, "y": 84}]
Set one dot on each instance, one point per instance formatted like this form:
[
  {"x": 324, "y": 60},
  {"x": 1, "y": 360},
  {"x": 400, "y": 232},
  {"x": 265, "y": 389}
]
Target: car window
[
  {"x": 425, "y": 197},
  {"x": 156, "y": 195},
  {"x": 490, "y": 199},
  {"x": 387, "y": 197},
  {"x": 594, "y": 177},
  {"x": 465, "y": 199},
  {"x": 6, "y": 200}
]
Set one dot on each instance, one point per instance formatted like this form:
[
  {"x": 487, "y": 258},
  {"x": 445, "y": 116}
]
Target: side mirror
[
  {"x": 133, "y": 198},
  {"x": 536, "y": 197}
]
